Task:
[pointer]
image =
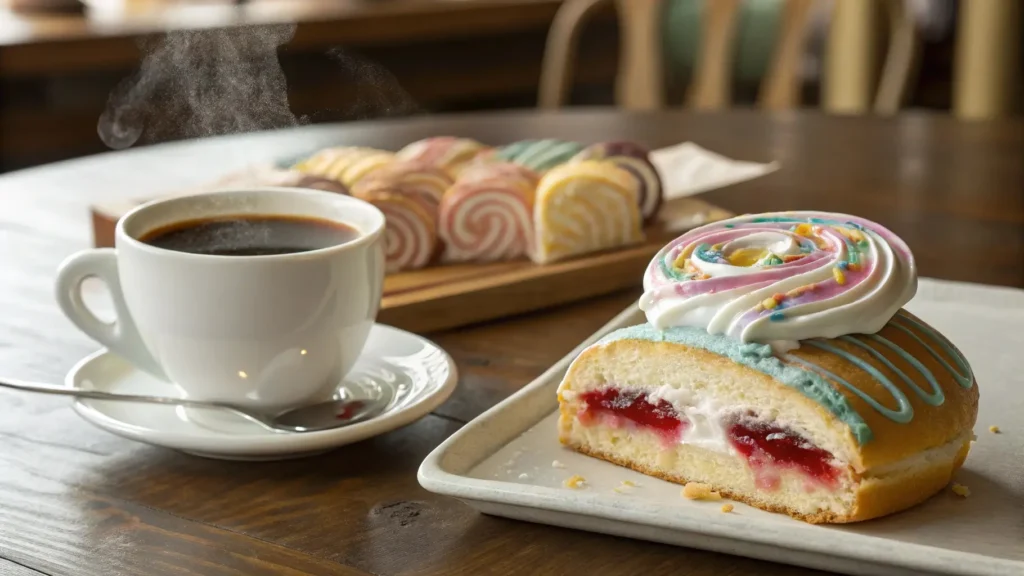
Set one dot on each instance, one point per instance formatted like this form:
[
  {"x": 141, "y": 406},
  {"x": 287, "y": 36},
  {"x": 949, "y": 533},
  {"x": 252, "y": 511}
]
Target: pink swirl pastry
[
  {"x": 408, "y": 193},
  {"x": 448, "y": 153},
  {"x": 488, "y": 214},
  {"x": 780, "y": 278},
  {"x": 423, "y": 183},
  {"x": 635, "y": 159},
  {"x": 410, "y": 232}
]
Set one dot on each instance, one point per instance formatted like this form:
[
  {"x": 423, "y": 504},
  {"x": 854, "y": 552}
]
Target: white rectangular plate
[{"x": 504, "y": 464}]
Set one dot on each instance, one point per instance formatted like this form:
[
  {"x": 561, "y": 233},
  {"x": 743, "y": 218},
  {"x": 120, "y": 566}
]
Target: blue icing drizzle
[
  {"x": 936, "y": 398},
  {"x": 906, "y": 411},
  {"x": 965, "y": 381},
  {"x": 757, "y": 357}
]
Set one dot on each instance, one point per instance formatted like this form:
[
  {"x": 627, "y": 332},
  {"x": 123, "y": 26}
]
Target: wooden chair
[
  {"x": 640, "y": 84},
  {"x": 987, "y": 67}
]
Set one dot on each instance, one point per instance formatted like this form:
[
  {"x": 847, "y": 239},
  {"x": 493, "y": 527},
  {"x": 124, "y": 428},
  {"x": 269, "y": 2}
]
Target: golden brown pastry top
[{"x": 910, "y": 385}]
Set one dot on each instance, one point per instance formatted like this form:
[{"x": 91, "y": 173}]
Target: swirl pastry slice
[
  {"x": 635, "y": 159},
  {"x": 584, "y": 207},
  {"x": 448, "y": 153},
  {"x": 346, "y": 164},
  {"x": 832, "y": 428},
  {"x": 421, "y": 182},
  {"x": 488, "y": 214},
  {"x": 537, "y": 155},
  {"x": 410, "y": 233}
]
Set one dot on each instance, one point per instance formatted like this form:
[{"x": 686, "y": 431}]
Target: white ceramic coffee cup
[{"x": 267, "y": 332}]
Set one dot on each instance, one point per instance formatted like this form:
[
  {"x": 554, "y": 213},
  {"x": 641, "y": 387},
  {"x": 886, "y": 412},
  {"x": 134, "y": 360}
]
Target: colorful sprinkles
[
  {"x": 831, "y": 255},
  {"x": 837, "y": 273}
]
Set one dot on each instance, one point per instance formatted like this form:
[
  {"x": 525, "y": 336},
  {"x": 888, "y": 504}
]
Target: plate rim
[
  {"x": 435, "y": 476},
  {"x": 271, "y": 444}
]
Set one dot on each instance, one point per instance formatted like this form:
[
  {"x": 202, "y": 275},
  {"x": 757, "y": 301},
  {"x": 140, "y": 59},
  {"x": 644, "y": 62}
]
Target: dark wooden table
[{"x": 75, "y": 500}]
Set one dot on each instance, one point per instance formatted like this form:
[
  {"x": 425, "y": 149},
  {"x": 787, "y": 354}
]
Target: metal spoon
[{"x": 311, "y": 418}]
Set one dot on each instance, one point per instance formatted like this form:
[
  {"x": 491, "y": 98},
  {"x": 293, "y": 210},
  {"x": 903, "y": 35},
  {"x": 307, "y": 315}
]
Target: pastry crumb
[
  {"x": 625, "y": 487},
  {"x": 699, "y": 491},
  {"x": 524, "y": 476},
  {"x": 575, "y": 481},
  {"x": 557, "y": 464},
  {"x": 726, "y": 508},
  {"x": 961, "y": 490},
  {"x": 993, "y": 429}
]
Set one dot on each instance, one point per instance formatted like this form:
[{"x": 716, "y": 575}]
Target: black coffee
[{"x": 250, "y": 235}]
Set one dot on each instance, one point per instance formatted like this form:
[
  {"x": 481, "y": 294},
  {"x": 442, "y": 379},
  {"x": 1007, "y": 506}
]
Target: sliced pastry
[
  {"x": 346, "y": 164},
  {"x": 422, "y": 182},
  {"x": 537, "y": 155},
  {"x": 488, "y": 214},
  {"x": 635, "y": 159},
  {"x": 584, "y": 207},
  {"x": 410, "y": 231},
  {"x": 410, "y": 236},
  {"x": 449, "y": 153},
  {"x": 778, "y": 367}
]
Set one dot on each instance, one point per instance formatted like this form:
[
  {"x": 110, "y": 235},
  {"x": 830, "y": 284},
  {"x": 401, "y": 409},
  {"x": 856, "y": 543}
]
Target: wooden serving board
[{"x": 442, "y": 297}]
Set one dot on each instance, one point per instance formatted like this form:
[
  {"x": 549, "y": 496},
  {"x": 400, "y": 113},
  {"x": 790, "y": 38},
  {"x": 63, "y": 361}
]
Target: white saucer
[{"x": 413, "y": 372}]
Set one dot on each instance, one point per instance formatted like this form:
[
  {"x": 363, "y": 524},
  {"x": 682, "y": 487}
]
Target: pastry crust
[
  {"x": 931, "y": 425},
  {"x": 873, "y": 497}
]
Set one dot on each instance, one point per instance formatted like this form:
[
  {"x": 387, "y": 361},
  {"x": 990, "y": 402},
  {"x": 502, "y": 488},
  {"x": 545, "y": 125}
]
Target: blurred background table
[
  {"x": 401, "y": 56},
  {"x": 77, "y": 501}
]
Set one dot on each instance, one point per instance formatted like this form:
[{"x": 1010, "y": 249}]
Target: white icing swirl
[{"x": 780, "y": 278}]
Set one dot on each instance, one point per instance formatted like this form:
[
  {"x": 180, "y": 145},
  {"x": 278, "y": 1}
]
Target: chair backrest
[{"x": 849, "y": 58}]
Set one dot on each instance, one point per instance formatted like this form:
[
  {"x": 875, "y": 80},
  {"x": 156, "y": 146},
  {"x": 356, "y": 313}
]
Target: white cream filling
[
  {"x": 707, "y": 418},
  {"x": 706, "y": 427}
]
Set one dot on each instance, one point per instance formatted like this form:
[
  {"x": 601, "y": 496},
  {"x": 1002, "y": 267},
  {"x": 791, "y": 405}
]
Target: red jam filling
[
  {"x": 768, "y": 447},
  {"x": 614, "y": 405}
]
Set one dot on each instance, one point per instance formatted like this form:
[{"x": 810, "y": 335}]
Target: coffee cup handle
[{"x": 120, "y": 336}]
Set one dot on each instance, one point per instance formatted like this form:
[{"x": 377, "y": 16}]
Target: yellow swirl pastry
[
  {"x": 346, "y": 164},
  {"x": 583, "y": 207}
]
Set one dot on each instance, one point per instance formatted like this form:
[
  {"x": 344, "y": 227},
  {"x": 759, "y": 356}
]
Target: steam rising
[
  {"x": 378, "y": 93},
  {"x": 199, "y": 83}
]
